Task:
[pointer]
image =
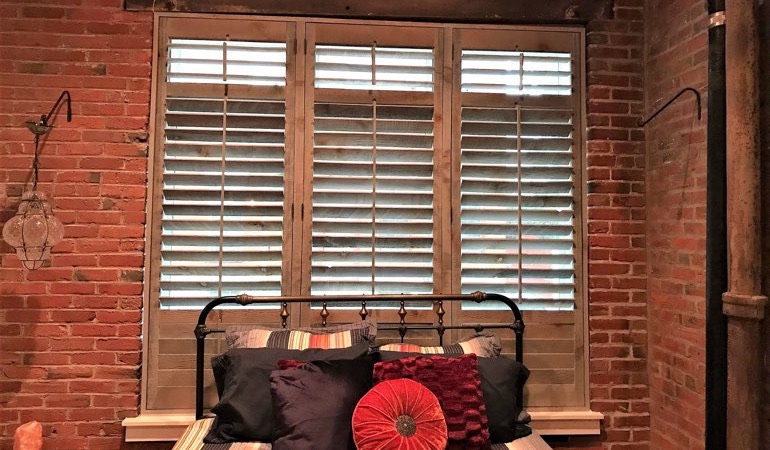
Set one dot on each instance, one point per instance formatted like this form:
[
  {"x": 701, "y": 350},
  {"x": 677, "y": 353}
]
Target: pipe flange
[{"x": 744, "y": 306}]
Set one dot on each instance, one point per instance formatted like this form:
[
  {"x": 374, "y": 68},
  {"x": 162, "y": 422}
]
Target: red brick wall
[
  {"x": 616, "y": 229},
  {"x": 70, "y": 334},
  {"x": 677, "y": 57}
]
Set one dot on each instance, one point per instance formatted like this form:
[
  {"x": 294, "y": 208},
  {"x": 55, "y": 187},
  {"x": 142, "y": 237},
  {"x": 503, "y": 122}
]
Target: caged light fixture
[{"x": 34, "y": 230}]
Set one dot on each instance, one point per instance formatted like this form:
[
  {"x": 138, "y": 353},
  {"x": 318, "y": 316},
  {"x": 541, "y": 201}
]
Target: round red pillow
[{"x": 399, "y": 414}]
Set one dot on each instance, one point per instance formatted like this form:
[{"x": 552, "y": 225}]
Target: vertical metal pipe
[
  {"x": 743, "y": 303},
  {"x": 716, "y": 235}
]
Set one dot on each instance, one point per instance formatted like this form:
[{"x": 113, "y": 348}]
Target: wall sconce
[{"x": 34, "y": 229}]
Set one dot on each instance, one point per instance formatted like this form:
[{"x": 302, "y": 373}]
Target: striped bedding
[{"x": 192, "y": 439}]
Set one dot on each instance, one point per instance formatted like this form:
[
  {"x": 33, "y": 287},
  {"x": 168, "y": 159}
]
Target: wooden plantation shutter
[
  {"x": 517, "y": 145},
  {"x": 315, "y": 156},
  {"x": 373, "y": 139},
  {"x": 220, "y": 196}
]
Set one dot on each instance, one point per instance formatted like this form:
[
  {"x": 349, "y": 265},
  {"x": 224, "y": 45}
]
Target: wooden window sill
[{"x": 156, "y": 427}]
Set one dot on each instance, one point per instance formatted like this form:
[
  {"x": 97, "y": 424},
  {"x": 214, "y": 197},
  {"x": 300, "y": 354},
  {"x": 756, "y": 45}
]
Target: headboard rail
[{"x": 202, "y": 330}]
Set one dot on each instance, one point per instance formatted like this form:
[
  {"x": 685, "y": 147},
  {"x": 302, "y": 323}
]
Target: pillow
[
  {"x": 484, "y": 343},
  {"x": 314, "y": 403},
  {"x": 244, "y": 411},
  {"x": 339, "y": 336},
  {"x": 399, "y": 415},
  {"x": 502, "y": 379},
  {"x": 456, "y": 384}
]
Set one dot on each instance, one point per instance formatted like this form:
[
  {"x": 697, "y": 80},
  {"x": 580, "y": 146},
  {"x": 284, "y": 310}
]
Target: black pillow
[
  {"x": 314, "y": 403},
  {"x": 501, "y": 381},
  {"x": 245, "y": 410}
]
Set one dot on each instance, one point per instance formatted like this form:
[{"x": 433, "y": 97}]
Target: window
[{"x": 302, "y": 156}]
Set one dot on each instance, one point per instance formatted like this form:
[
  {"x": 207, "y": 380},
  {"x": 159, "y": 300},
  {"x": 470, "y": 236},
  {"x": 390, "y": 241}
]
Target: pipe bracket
[{"x": 717, "y": 19}]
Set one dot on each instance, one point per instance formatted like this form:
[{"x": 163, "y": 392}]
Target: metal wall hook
[
  {"x": 44, "y": 119},
  {"x": 641, "y": 122},
  {"x": 41, "y": 127}
]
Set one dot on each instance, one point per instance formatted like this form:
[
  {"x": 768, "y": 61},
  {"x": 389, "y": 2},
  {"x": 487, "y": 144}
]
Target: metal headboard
[{"x": 517, "y": 324}]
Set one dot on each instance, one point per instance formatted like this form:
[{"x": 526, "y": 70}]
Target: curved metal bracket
[
  {"x": 641, "y": 122},
  {"x": 42, "y": 126}
]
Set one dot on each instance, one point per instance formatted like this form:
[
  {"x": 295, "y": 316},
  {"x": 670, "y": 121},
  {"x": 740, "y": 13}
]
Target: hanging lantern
[{"x": 33, "y": 230}]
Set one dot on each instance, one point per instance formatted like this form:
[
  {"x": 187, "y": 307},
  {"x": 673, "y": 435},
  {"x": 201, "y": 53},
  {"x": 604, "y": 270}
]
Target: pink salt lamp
[{"x": 28, "y": 436}]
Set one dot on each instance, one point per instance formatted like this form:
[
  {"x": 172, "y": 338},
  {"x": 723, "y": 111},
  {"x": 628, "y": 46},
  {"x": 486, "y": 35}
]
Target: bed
[{"x": 339, "y": 386}]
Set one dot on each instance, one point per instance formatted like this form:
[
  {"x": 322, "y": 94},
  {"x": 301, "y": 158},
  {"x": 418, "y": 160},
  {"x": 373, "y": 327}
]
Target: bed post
[
  {"x": 201, "y": 331},
  {"x": 200, "y": 334}
]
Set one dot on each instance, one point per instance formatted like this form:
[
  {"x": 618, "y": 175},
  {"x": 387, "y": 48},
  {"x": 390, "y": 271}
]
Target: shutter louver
[
  {"x": 222, "y": 217},
  {"x": 517, "y": 184}
]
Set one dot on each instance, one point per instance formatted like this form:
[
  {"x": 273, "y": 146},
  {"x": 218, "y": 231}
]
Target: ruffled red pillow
[
  {"x": 399, "y": 415},
  {"x": 457, "y": 385}
]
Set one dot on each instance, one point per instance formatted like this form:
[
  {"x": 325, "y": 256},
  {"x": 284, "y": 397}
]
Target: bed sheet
[{"x": 192, "y": 439}]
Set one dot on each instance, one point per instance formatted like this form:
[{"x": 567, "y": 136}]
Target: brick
[
  {"x": 615, "y": 134},
  {"x": 67, "y": 401},
  {"x": 68, "y": 372},
  {"x": 35, "y": 12}
]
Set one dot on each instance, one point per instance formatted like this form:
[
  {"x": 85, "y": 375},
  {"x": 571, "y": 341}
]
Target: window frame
[{"x": 447, "y": 274}]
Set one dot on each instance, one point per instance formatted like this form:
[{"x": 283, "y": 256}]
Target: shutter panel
[
  {"x": 516, "y": 178},
  {"x": 222, "y": 208},
  {"x": 519, "y": 137},
  {"x": 218, "y": 188},
  {"x": 372, "y": 225}
]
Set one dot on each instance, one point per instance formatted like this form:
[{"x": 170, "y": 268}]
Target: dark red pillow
[
  {"x": 399, "y": 415},
  {"x": 456, "y": 384},
  {"x": 502, "y": 383}
]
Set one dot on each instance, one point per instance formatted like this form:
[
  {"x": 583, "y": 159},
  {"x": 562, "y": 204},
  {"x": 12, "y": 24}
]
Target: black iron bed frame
[{"x": 400, "y": 300}]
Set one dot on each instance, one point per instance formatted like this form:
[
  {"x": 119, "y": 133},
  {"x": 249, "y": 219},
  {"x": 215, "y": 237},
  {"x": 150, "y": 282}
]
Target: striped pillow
[
  {"x": 484, "y": 344},
  {"x": 340, "y": 336}
]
